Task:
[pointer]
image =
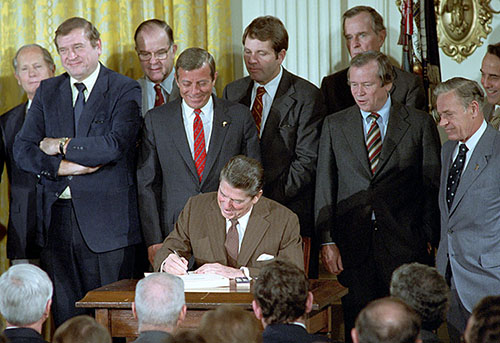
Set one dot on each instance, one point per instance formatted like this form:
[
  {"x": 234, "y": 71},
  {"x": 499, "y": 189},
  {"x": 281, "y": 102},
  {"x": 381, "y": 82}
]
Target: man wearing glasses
[{"x": 154, "y": 43}]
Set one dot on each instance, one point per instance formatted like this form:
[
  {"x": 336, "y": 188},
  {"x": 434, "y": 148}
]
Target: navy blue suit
[
  {"x": 289, "y": 333},
  {"x": 21, "y": 228},
  {"x": 102, "y": 211}
]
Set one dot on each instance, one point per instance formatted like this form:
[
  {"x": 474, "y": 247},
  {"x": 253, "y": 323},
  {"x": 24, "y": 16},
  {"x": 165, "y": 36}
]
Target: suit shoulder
[
  {"x": 276, "y": 208},
  {"x": 12, "y": 113},
  {"x": 403, "y": 77},
  {"x": 231, "y": 106},
  {"x": 239, "y": 83},
  {"x": 342, "y": 116},
  {"x": 303, "y": 83},
  {"x": 118, "y": 78},
  {"x": 335, "y": 77}
]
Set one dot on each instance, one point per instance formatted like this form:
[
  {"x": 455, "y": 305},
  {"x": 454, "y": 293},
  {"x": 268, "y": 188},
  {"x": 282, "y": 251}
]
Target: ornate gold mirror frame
[{"x": 461, "y": 26}]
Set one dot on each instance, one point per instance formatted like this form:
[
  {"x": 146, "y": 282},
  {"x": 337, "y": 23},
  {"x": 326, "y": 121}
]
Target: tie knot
[
  {"x": 80, "y": 86},
  {"x": 197, "y": 112},
  {"x": 157, "y": 86},
  {"x": 261, "y": 91},
  {"x": 234, "y": 222},
  {"x": 463, "y": 148},
  {"x": 374, "y": 116}
]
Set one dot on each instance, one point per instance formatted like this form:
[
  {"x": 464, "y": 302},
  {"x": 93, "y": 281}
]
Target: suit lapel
[
  {"x": 281, "y": 105},
  {"x": 475, "y": 166},
  {"x": 216, "y": 225},
  {"x": 220, "y": 125},
  {"x": 354, "y": 134},
  {"x": 446, "y": 163},
  {"x": 396, "y": 129},
  {"x": 256, "y": 229},
  {"x": 96, "y": 99},
  {"x": 393, "y": 88},
  {"x": 65, "y": 109}
]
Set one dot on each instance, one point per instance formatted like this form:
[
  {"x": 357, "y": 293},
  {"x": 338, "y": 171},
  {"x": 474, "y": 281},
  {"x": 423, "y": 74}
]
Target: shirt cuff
[{"x": 246, "y": 272}]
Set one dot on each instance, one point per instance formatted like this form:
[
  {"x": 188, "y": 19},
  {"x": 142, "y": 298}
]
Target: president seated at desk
[{"x": 235, "y": 231}]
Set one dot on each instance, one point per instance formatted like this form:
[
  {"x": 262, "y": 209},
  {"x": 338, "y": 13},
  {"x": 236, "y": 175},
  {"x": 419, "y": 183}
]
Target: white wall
[{"x": 317, "y": 47}]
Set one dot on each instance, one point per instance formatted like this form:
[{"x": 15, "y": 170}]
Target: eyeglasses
[{"x": 159, "y": 55}]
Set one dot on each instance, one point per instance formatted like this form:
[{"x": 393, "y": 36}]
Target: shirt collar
[
  {"x": 89, "y": 82},
  {"x": 383, "y": 112},
  {"x": 190, "y": 111},
  {"x": 474, "y": 139},
  {"x": 243, "y": 220},
  {"x": 272, "y": 86},
  {"x": 166, "y": 84}
]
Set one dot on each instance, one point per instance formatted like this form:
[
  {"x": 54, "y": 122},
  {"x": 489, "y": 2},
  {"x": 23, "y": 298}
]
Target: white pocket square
[{"x": 265, "y": 257}]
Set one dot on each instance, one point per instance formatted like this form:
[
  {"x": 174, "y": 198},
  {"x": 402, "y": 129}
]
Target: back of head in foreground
[
  {"x": 387, "y": 320},
  {"x": 230, "y": 324},
  {"x": 159, "y": 302},
  {"x": 81, "y": 329},
  {"x": 25, "y": 295},
  {"x": 484, "y": 323},
  {"x": 425, "y": 290},
  {"x": 281, "y": 294}
]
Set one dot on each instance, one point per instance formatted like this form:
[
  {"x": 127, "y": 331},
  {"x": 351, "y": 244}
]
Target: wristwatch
[{"x": 62, "y": 143}]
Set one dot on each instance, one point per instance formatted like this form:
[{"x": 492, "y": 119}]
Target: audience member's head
[
  {"x": 32, "y": 64},
  {"x": 490, "y": 74},
  {"x": 154, "y": 44},
  {"x": 459, "y": 104},
  {"x": 425, "y": 290},
  {"x": 81, "y": 329},
  {"x": 25, "y": 296},
  {"x": 265, "y": 43},
  {"x": 387, "y": 320},
  {"x": 484, "y": 323},
  {"x": 3, "y": 338},
  {"x": 364, "y": 30},
  {"x": 188, "y": 336},
  {"x": 159, "y": 302},
  {"x": 281, "y": 294},
  {"x": 230, "y": 324}
]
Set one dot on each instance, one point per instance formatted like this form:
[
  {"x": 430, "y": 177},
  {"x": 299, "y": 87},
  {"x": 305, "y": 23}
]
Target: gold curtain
[{"x": 201, "y": 23}]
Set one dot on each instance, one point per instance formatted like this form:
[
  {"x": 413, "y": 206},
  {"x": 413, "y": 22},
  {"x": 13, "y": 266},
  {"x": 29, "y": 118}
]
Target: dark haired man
[
  {"x": 232, "y": 232},
  {"x": 79, "y": 138},
  {"x": 483, "y": 325},
  {"x": 376, "y": 186},
  {"x": 288, "y": 112},
  {"x": 281, "y": 301},
  {"x": 186, "y": 143},
  {"x": 155, "y": 47},
  {"x": 364, "y": 30},
  {"x": 490, "y": 79}
]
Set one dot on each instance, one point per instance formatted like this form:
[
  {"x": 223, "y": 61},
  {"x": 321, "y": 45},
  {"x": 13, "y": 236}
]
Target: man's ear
[
  {"x": 354, "y": 335},
  {"x": 46, "y": 312},
  {"x": 309, "y": 302},
  {"x": 134, "y": 311},
  {"x": 182, "y": 315},
  {"x": 257, "y": 310}
]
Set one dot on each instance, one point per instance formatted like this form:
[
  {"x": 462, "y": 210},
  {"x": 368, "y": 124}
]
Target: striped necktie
[
  {"x": 159, "y": 99},
  {"x": 374, "y": 142},
  {"x": 257, "y": 107},
  {"x": 200, "y": 154}
]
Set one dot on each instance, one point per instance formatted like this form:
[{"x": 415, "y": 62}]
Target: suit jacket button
[
  {"x": 70, "y": 177},
  {"x": 57, "y": 194}
]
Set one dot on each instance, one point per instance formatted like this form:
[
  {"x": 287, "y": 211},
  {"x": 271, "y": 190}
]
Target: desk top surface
[{"x": 120, "y": 294}]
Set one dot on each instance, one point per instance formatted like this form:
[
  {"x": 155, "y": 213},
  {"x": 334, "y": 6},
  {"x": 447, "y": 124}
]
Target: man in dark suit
[
  {"x": 281, "y": 309},
  {"x": 154, "y": 44},
  {"x": 84, "y": 156},
  {"x": 235, "y": 231},
  {"x": 25, "y": 300},
  {"x": 364, "y": 30},
  {"x": 377, "y": 185},
  {"x": 32, "y": 64},
  {"x": 469, "y": 200},
  {"x": 169, "y": 169},
  {"x": 159, "y": 307},
  {"x": 288, "y": 111}
]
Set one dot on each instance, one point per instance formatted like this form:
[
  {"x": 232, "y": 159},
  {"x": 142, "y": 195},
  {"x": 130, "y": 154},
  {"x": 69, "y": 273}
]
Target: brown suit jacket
[{"x": 200, "y": 231}]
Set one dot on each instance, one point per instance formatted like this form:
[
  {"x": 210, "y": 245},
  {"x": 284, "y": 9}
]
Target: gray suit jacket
[
  {"x": 166, "y": 173},
  {"x": 174, "y": 95},
  {"x": 289, "y": 142},
  {"x": 201, "y": 232},
  {"x": 402, "y": 193},
  {"x": 470, "y": 230},
  {"x": 407, "y": 89}
]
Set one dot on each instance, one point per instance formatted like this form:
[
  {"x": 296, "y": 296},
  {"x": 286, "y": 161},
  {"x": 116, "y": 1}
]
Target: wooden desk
[{"x": 113, "y": 305}]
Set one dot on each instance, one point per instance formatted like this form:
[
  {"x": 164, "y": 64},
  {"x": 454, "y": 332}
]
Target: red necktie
[
  {"x": 374, "y": 142},
  {"x": 159, "y": 100},
  {"x": 257, "y": 107},
  {"x": 200, "y": 155},
  {"x": 232, "y": 243}
]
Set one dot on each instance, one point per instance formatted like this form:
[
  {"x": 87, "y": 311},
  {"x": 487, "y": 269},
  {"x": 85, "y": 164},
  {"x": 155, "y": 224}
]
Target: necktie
[
  {"x": 79, "y": 103},
  {"x": 374, "y": 142},
  {"x": 200, "y": 154},
  {"x": 232, "y": 243},
  {"x": 159, "y": 100},
  {"x": 495, "y": 119},
  {"x": 455, "y": 174},
  {"x": 257, "y": 107}
]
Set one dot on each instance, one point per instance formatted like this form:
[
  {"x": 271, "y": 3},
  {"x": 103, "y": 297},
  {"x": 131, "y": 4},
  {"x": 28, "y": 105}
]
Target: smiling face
[
  {"x": 195, "y": 86},
  {"x": 367, "y": 88},
  {"x": 490, "y": 78},
  {"x": 154, "y": 40},
  {"x": 78, "y": 56},
  {"x": 32, "y": 69},
  {"x": 234, "y": 202},
  {"x": 459, "y": 123},
  {"x": 360, "y": 36},
  {"x": 261, "y": 60}
]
